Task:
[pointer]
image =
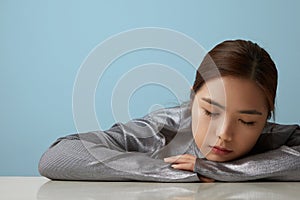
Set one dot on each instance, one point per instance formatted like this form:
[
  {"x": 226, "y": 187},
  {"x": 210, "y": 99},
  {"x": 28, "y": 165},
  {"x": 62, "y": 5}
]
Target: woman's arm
[
  {"x": 121, "y": 153},
  {"x": 281, "y": 164}
]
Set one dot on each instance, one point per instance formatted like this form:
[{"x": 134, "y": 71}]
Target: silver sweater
[{"x": 134, "y": 151}]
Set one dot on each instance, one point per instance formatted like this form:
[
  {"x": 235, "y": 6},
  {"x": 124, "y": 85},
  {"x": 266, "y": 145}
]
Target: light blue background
[{"x": 43, "y": 43}]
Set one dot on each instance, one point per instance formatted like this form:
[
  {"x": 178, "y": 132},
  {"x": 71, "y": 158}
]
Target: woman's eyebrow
[
  {"x": 213, "y": 103},
  {"x": 250, "y": 112}
]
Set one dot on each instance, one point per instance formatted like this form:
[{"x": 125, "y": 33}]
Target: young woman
[{"x": 221, "y": 134}]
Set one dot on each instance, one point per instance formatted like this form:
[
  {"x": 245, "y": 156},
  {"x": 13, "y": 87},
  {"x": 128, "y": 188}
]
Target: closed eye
[
  {"x": 251, "y": 123},
  {"x": 211, "y": 114}
]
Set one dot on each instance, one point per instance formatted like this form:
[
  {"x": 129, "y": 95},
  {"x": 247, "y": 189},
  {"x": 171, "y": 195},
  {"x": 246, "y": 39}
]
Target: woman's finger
[
  {"x": 206, "y": 180},
  {"x": 180, "y": 159},
  {"x": 184, "y": 166}
]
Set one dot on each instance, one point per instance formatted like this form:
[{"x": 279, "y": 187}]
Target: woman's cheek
[
  {"x": 206, "y": 136},
  {"x": 210, "y": 135},
  {"x": 245, "y": 142},
  {"x": 199, "y": 129}
]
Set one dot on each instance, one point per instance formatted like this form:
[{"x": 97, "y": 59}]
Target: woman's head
[{"x": 232, "y": 97}]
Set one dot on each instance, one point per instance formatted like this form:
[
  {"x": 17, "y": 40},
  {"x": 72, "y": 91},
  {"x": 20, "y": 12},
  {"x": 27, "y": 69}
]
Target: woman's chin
[{"x": 217, "y": 158}]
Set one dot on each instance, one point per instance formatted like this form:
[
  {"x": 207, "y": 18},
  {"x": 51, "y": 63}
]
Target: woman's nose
[{"x": 226, "y": 131}]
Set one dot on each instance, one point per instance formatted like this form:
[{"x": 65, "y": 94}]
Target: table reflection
[{"x": 173, "y": 191}]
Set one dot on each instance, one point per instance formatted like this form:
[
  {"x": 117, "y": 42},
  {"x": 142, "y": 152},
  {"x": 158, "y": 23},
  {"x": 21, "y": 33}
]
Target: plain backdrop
[{"x": 43, "y": 44}]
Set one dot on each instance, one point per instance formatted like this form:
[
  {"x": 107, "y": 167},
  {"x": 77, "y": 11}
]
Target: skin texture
[{"x": 228, "y": 115}]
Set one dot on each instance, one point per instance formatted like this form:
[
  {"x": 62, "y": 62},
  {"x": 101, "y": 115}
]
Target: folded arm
[
  {"x": 75, "y": 159},
  {"x": 280, "y": 160},
  {"x": 121, "y": 153}
]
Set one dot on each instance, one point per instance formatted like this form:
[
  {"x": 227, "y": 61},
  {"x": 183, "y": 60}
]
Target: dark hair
[{"x": 243, "y": 59}]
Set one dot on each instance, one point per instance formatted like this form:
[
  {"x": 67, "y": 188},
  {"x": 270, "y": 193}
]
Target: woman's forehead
[{"x": 232, "y": 92}]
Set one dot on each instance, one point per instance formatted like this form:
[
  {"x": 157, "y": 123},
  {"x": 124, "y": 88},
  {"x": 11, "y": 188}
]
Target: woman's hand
[
  {"x": 186, "y": 162},
  {"x": 183, "y": 162}
]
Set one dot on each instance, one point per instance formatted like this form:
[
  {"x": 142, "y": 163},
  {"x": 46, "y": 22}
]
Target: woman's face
[{"x": 228, "y": 115}]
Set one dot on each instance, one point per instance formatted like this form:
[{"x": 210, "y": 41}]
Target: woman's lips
[{"x": 220, "y": 150}]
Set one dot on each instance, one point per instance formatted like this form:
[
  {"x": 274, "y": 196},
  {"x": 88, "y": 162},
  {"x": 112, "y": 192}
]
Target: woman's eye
[
  {"x": 211, "y": 114},
  {"x": 247, "y": 123}
]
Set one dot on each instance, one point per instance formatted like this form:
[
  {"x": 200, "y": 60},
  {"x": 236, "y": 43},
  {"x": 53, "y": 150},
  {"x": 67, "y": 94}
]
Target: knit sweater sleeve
[{"x": 120, "y": 153}]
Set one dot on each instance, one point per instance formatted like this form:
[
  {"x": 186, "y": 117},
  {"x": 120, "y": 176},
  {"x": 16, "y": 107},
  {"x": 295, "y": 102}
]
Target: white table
[{"x": 43, "y": 189}]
